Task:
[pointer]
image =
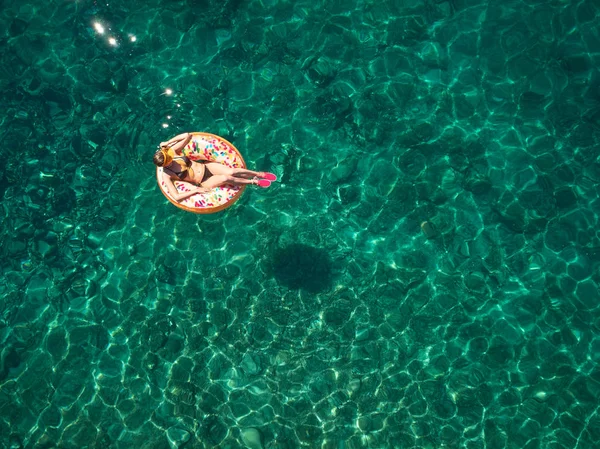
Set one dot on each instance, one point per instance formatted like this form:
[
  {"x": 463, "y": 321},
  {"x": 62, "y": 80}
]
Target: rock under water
[{"x": 252, "y": 438}]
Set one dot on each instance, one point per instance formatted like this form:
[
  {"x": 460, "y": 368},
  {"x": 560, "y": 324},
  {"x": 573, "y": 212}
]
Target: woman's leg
[
  {"x": 220, "y": 169},
  {"x": 219, "y": 180},
  {"x": 243, "y": 173}
]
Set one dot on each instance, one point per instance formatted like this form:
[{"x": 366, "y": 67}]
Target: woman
[{"x": 205, "y": 174}]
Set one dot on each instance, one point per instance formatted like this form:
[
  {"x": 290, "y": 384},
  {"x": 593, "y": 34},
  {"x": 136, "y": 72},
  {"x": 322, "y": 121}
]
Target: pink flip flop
[
  {"x": 270, "y": 176},
  {"x": 263, "y": 183}
]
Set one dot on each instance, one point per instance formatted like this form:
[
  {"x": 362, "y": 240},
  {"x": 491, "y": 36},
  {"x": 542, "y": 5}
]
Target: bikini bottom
[{"x": 207, "y": 172}]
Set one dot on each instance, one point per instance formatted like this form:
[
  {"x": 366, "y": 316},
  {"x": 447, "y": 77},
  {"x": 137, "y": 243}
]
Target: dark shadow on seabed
[{"x": 302, "y": 267}]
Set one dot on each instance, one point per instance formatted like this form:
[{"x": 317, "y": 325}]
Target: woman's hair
[{"x": 159, "y": 158}]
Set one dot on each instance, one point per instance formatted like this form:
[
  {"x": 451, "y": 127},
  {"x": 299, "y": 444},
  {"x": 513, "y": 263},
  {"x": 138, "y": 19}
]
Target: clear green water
[{"x": 315, "y": 313}]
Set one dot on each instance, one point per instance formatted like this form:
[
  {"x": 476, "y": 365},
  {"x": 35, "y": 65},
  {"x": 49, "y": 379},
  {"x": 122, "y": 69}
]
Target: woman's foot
[
  {"x": 261, "y": 182},
  {"x": 268, "y": 176}
]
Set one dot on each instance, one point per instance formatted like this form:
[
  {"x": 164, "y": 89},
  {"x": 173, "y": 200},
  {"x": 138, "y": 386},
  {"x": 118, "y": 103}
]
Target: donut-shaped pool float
[{"x": 216, "y": 149}]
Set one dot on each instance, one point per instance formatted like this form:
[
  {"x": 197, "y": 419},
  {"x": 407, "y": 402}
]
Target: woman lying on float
[{"x": 202, "y": 172}]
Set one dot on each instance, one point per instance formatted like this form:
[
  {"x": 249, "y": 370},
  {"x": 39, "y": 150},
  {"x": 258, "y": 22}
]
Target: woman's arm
[
  {"x": 175, "y": 139},
  {"x": 177, "y": 143},
  {"x": 177, "y": 195}
]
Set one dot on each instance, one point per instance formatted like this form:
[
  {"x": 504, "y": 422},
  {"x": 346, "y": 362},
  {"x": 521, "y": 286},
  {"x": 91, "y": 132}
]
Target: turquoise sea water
[{"x": 424, "y": 274}]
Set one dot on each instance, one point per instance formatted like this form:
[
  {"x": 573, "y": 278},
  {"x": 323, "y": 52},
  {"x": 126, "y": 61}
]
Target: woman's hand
[{"x": 179, "y": 196}]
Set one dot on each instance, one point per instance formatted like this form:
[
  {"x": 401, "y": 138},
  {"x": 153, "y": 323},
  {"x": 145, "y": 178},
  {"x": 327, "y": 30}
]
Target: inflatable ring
[{"x": 216, "y": 149}]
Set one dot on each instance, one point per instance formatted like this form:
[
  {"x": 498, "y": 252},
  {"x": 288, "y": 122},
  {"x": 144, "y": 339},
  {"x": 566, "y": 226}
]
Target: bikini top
[{"x": 179, "y": 167}]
